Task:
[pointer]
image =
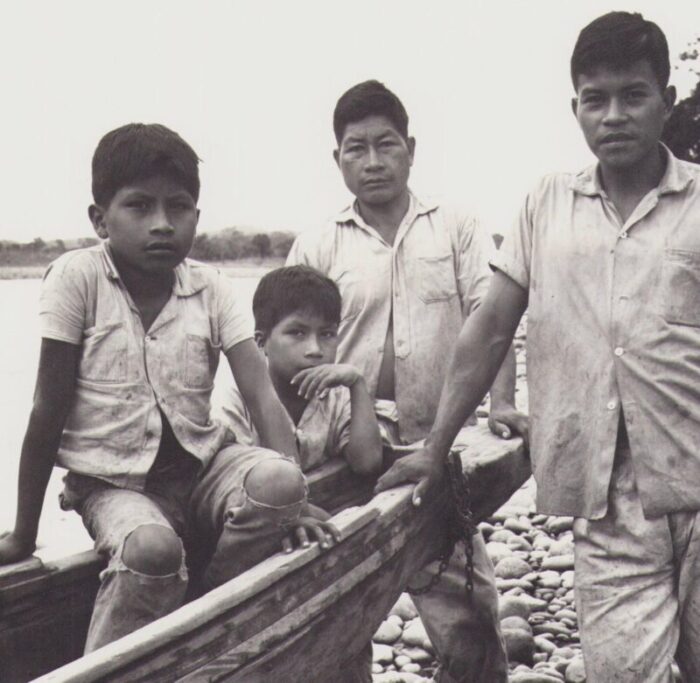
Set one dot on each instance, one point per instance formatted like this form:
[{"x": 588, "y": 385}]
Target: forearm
[
  {"x": 364, "y": 449},
  {"x": 503, "y": 387},
  {"x": 36, "y": 463},
  {"x": 272, "y": 422},
  {"x": 481, "y": 348}
]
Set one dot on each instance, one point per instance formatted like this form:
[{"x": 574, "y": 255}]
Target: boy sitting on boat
[
  {"x": 297, "y": 314},
  {"x": 131, "y": 337}
]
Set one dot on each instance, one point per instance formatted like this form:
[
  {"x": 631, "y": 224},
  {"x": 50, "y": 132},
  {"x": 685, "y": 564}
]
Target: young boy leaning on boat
[
  {"x": 131, "y": 337},
  {"x": 297, "y": 315}
]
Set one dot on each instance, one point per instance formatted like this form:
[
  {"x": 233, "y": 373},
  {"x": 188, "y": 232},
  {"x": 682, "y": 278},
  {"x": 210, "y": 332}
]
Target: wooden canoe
[{"x": 298, "y": 617}]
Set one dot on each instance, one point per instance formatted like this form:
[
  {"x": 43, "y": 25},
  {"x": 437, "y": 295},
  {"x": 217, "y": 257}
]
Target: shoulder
[
  {"x": 554, "y": 186},
  {"x": 316, "y": 246},
  {"x": 78, "y": 265},
  {"x": 195, "y": 276}
]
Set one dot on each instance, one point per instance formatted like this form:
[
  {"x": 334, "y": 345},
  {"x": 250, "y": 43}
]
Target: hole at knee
[
  {"x": 275, "y": 482},
  {"x": 153, "y": 550}
]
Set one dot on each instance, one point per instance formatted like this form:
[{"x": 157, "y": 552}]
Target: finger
[
  {"x": 332, "y": 531},
  {"x": 299, "y": 376},
  {"x": 501, "y": 429},
  {"x": 304, "y": 382},
  {"x": 314, "y": 383},
  {"x": 302, "y": 536},
  {"x": 419, "y": 492},
  {"x": 391, "y": 478},
  {"x": 287, "y": 545},
  {"x": 320, "y": 535}
]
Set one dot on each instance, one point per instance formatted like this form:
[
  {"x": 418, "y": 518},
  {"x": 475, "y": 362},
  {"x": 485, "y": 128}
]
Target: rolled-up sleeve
[
  {"x": 514, "y": 257},
  {"x": 473, "y": 272},
  {"x": 63, "y": 300},
  {"x": 235, "y": 324}
]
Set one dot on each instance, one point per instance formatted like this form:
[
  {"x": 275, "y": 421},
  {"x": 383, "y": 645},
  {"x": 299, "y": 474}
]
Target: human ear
[
  {"x": 669, "y": 96},
  {"x": 97, "y": 218},
  {"x": 411, "y": 142},
  {"x": 574, "y": 106},
  {"x": 259, "y": 337},
  {"x": 336, "y": 157}
]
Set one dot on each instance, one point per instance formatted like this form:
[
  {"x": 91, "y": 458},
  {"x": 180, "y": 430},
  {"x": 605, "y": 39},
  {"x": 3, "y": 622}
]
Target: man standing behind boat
[
  {"x": 409, "y": 271},
  {"x": 608, "y": 262}
]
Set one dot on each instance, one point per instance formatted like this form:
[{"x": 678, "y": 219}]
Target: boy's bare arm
[
  {"x": 364, "y": 449},
  {"x": 269, "y": 416},
  {"x": 53, "y": 396}
]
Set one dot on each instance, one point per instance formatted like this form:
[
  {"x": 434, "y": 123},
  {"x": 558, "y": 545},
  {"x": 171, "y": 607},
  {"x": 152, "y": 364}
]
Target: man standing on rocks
[
  {"x": 409, "y": 271},
  {"x": 609, "y": 262}
]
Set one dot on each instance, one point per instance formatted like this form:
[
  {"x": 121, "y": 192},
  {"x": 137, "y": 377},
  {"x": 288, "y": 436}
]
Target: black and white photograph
[{"x": 350, "y": 342}]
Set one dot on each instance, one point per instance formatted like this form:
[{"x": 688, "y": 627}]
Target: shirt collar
[
  {"x": 188, "y": 280},
  {"x": 416, "y": 207},
  {"x": 676, "y": 177}
]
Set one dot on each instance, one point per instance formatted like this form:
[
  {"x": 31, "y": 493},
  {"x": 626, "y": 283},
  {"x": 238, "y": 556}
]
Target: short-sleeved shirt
[
  {"x": 322, "y": 433},
  {"x": 427, "y": 282},
  {"x": 126, "y": 375},
  {"x": 613, "y": 325}
]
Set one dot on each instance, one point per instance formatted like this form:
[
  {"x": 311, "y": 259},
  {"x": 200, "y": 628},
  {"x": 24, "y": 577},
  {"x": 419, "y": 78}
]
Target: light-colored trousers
[
  {"x": 210, "y": 507},
  {"x": 637, "y": 588}
]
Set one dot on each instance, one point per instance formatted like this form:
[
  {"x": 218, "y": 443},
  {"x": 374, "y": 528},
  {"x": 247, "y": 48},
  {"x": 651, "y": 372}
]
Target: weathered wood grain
[{"x": 297, "y": 617}]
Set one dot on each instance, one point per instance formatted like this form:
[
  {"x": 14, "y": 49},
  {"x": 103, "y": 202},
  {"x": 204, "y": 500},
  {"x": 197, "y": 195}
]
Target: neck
[
  {"x": 386, "y": 218},
  {"x": 637, "y": 180},
  {"x": 288, "y": 396},
  {"x": 140, "y": 284}
]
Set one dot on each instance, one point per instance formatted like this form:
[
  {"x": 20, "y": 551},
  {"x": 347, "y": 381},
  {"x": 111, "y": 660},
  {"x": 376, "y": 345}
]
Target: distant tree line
[
  {"x": 229, "y": 244},
  {"x": 682, "y": 132}
]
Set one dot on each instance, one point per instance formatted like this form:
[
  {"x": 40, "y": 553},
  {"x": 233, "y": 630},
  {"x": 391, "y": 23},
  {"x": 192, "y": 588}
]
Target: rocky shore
[
  {"x": 533, "y": 560},
  {"x": 533, "y": 557}
]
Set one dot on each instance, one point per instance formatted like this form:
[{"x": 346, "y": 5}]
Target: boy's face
[
  {"x": 622, "y": 112},
  {"x": 375, "y": 160},
  {"x": 150, "y": 224},
  {"x": 299, "y": 341}
]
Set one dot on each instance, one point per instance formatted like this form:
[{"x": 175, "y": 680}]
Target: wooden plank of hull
[{"x": 288, "y": 613}]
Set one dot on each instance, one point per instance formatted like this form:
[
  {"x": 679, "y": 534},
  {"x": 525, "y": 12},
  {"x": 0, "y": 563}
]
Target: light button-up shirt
[
  {"x": 432, "y": 276},
  {"x": 613, "y": 325}
]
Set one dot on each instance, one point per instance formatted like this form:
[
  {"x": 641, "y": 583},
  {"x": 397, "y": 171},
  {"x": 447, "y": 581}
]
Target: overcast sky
[{"x": 252, "y": 86}]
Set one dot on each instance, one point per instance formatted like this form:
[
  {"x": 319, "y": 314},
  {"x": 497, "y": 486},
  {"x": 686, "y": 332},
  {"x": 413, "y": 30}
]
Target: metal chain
[{"x": 460, "y": 526}]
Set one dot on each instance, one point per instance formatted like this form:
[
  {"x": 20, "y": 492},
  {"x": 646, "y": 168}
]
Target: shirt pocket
[
  {"x": 680, "y": 287},
  {"x": 105, "y": 353},
  {"x": 201, "y": 361},
  {"x": 435, "y": 278}
]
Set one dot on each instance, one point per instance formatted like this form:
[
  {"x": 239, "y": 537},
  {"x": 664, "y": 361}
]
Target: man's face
[
  {"x": 375, "y": 160},
  {"x": 622, "y": 112},
  {"x": 299, "y": 341}
]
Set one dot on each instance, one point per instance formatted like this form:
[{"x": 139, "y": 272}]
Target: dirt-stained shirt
[
  {"x": 127, "y": 375},
  {"x": 322, "y": 434},
  {"x": 427, "y": 282},
  {"x": 613, "y": 327}
]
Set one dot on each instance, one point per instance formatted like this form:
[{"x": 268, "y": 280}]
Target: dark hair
[
  {"x": 618, "y": 39},
  {"x": 370, "y": 98},
  {"x": 138, "y": 151},
  {"x": 290, "y": 289}
]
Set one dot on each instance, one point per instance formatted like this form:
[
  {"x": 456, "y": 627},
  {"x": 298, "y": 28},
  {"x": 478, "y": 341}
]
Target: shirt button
[
  {"x": 611, "y": 405},
  {"x": 148, "y": 338},
  {"x": 623, "y": 235},
  {"x": 619, "y": 351}
]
